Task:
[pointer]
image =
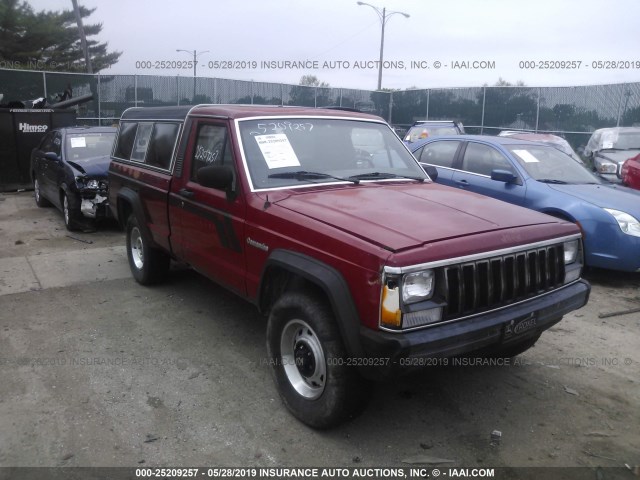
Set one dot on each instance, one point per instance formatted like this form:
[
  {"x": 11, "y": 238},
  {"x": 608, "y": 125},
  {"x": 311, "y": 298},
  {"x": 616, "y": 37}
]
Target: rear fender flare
[{"x": 131, "y": 197}]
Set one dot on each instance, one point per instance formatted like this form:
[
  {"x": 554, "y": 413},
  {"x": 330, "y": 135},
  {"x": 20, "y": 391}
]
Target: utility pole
[
  {"x": 83, "y": 37},
  {"x": 384, "y": 17},
  {"x": 195, "y": 64}
]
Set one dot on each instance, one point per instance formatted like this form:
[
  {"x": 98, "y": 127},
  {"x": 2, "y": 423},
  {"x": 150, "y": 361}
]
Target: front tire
[
  {"x": 71, "y": 217},
  {"x": 148, "y": 265},
  {"x": 309, "y": 362}
]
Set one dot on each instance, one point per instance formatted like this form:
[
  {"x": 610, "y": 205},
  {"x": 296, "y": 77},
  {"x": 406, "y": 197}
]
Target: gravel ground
[{"x": 96, "y": 370}]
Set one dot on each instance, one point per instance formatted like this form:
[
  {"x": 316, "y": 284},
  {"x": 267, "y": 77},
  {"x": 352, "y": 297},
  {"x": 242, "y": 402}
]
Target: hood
[
  {"x": 398, "y": 217},
  {"x": 618, "y": 156},
  {"x": 95, "y": 167},
  {"x": 612, "y": 196}
]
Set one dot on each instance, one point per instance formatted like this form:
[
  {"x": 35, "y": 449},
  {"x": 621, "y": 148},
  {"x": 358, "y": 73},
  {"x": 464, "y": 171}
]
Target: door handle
[
  {"x": 462, "y": 183},
  {"x": 183, "y": 192}
]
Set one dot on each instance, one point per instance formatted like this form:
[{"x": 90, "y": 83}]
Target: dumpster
[{"x": 21, "y": 130}]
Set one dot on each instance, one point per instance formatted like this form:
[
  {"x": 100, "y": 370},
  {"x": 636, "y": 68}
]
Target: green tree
[
  {"x": 505, "y": 103},
  {"x": 631, "y": 117},
  {"x": 312, "y": 81},
  {"x": 49, "y": 40},
  {"x": 257, "y": 100},
  {"x": 310, "y": 92}
]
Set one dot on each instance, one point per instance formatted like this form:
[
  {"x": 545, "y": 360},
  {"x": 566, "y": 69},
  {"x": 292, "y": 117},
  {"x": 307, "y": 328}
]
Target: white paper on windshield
[
  {"x": 606, "y": 145},
  {"x": 277, "y": 151},
  {"x": 526, "y": 156},
  {"x": 78, "y": 142}
]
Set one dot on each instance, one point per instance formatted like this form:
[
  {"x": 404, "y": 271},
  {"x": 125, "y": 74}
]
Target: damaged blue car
[{"x": 69, "y": 170}]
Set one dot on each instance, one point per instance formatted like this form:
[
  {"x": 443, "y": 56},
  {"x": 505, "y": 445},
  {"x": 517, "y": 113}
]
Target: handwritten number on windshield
[{"x": 281, "y": 127}]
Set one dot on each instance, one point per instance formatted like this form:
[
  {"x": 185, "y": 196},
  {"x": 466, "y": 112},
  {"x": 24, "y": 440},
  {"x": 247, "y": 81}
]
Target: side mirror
[
  {"x": 53, "y": 156},
  {"x": 503, "y": 176},
  {"x": 431, "y": 171},
  {"x": 215, "y": 176}
]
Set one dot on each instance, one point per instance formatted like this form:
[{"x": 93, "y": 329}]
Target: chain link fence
[{"x": 570, "y": 111}]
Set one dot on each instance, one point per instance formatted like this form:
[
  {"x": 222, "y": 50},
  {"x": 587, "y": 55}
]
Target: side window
[
  {"x": 57, "y": 143},
  {"x": 163, "y": 141},
  {"x": 46, "y": 145},
  {"x": 440, "y": 154},
  {"x": 212, "y": 148},
  {"x": 126, "y": 138},
  {"x": 141, "y": 142},
  {"x": 482, "y": 159}
]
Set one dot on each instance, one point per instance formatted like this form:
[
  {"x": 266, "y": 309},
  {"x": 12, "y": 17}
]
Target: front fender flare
[{"x": 332, "y": 283}]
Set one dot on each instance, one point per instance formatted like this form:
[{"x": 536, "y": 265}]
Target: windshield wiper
[
  {"x": 302, "y": 175},
  {"x": 552, "y": 180},
  {"x": 383, "y": 175}
]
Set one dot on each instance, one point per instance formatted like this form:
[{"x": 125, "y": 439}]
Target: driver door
[
  {"x": 207, "y": 223},
  {"x": 51, "y": 168}
]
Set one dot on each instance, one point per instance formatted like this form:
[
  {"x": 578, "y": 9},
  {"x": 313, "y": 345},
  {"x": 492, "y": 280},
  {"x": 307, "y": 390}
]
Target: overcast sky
[{"x": 500, "y": 33}]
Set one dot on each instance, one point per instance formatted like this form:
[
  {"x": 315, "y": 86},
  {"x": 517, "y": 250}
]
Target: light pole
[
  {"x": 384, "y": 17},
  {"x": 195, "y": 64}
]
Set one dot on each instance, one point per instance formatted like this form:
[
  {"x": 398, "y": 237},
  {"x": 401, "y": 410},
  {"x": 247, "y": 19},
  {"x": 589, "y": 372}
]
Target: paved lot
[{"x": 96, "y": 370}]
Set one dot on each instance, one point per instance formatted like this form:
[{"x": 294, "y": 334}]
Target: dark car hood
[
  {"x": 95, "y": 167},
  {"x": 397, "y": 217},
  {"x": 612, "y": 196},
  {"x": 618, "y": 156}
]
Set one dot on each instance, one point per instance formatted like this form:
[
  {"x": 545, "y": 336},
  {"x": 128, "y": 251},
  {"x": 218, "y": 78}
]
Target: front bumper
[
  {"x": 94, "y": 204},
  {"x": 610, "y": 177},
  {"x": 387, "y": 353}
]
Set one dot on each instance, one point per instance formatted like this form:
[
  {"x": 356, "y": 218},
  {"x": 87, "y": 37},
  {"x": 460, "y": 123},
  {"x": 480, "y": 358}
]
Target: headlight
[
  {"x": 607, "y": 167},
  {"x": 92, "y": 184},
  {"x": 571, "y": 251},
  {"x": 627, "y": 223},
  {"x": 399, "y": 291},
  {"x": 417, "y": 286}
]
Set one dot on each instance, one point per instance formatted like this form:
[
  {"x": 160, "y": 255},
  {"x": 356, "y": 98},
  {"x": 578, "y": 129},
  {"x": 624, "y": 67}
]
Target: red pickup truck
[{"x": 324, "y": 220}]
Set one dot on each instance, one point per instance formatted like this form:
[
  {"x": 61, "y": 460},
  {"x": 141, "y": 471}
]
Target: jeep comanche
[{"x": 326, "y": 222}]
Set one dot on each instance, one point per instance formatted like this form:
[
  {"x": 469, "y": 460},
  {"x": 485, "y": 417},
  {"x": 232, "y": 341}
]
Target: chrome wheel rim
[
  {"x": 303, "y": 359},
  {"x": 65, "y": 209},
  {"x": 137, "y": 252},
  {"x": 36, "y": 189}
]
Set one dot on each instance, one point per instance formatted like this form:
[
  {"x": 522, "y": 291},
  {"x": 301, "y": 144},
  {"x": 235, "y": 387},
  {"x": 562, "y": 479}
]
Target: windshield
[
  {"x": 620, "y": 140},
  {"x": 548, "y": 164},
  {"x": 420, "y": 132},
  {"x": 296, "y": 151},
  {"x": 82, "y": 146}
]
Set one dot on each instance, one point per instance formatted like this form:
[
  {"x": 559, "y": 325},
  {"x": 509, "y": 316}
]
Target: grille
[{"x": 490, "y": 283}]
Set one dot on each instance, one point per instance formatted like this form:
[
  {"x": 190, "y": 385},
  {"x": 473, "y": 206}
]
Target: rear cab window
[{"x": 148, "y": 143}]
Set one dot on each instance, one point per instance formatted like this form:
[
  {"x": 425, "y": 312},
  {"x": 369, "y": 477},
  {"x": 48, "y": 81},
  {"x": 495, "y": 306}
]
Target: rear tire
[
  {"x": 40, "y": 200},
  {"x": 309, "y": 362},
  {"x": 148, "y": 265}
]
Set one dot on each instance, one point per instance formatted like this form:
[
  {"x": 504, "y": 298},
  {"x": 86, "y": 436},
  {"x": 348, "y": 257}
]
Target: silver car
[{"x": 609, "y": 148}]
